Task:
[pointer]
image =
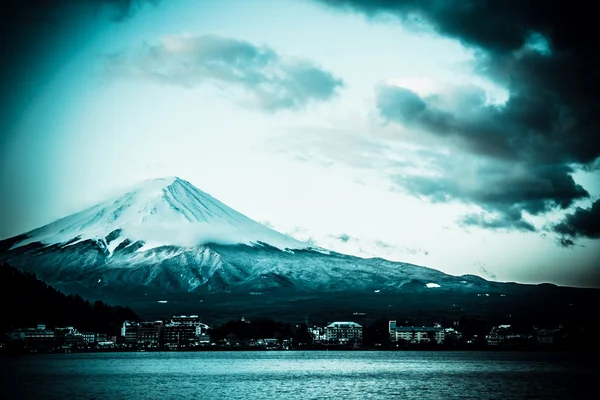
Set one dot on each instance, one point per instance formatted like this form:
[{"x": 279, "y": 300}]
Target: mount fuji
[
  {"x": 160, "y": 212},
  {"x": 165, "y": 238}
]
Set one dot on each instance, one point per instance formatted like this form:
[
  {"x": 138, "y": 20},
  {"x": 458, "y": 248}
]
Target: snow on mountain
[
  {"x": 166, "y": 236},
  {"x": 160, "y": 212}
]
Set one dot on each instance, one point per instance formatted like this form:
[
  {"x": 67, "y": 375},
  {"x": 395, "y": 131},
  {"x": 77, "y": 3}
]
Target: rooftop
[
  {"x": 344, "y": 324},
  {"x": 418, "y": 328}
]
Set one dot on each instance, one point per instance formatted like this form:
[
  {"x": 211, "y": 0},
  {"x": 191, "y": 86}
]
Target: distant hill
[{"x": 27, "y": 301}]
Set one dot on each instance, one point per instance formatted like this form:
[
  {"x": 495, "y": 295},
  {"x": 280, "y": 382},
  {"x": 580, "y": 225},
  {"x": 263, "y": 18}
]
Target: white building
[
  {"x": 129, "y": 332},
  {"x": 317, "y": 333},
  {"x": 89, "y": 337},
  {"x": 190, "y": 320},
  {"x": 504, "y": 334},
  {"x": 498, "y": 335},
  {"x": 416, "y": 334},
  {"x": 343, "y": 332}
]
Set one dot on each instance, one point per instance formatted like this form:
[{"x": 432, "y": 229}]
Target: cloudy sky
[{"x": 459, "y": 135}]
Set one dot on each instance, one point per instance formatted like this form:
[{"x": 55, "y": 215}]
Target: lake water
[{"x": 301, "y": 375}]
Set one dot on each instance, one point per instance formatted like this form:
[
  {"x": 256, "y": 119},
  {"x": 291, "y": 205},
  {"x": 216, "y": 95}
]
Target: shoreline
[{"x": 495, "y": 349}]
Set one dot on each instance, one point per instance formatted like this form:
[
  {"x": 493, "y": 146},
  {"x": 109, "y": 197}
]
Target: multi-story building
[
  {"x": 452, "y": 334},
  {"x": 149, "y": 334},
  {"x": 39, "y": 336},
  {"x": 88, "y": 337},
  {"x": 190, "y": 320},
  {"x": 343, "y": 332},
  {"x": 180, "y": 335},
  {"x": 506, "y": 335},
  {"x": 416, "y": 334},
  {"x": 69, "y": 336},
  {"x": 317, "y": 333},
  {"x": 102, "y": 337},
  {"x": 185, "y": 331},
  {"x": 498, "y": 335},
  {"x": 546, "y": 336},
  {"x": 129, "y": 333}
]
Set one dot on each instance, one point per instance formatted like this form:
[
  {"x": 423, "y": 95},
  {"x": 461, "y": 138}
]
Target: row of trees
[
  {"x": 27, "y": 301},
  {"x": 240, "y": 330},
  {"x": 573, "y": 334}
]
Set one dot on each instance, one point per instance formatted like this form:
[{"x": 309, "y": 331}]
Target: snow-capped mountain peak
[
  {"x": 159, "y": 212},
  {"x": 166, "y": 236}
]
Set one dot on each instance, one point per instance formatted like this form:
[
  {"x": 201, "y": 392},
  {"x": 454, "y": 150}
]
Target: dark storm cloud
[
  {"x": 496, "y": 26},
  {"x": 544, "y": 54},
  {"x": 581, "y": 223},
  {"x": 511, "y": 218},
  {"x": 566, "y": 242},
  {"x": 510, "y": 173},
  {"x": 274, "y": 82}
]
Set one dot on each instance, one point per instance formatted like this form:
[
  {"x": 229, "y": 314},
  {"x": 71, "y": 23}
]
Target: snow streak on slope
[{"x": 161, "y": 212}]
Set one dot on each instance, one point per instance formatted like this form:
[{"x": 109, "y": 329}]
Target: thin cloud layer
[
  {"x": 362, "y": 247},
  {"x": 519, "y": 156},
  {"x": 273, "y": 82}
]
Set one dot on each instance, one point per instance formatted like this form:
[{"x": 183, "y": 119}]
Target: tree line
[{"x": 26, "y": 301}]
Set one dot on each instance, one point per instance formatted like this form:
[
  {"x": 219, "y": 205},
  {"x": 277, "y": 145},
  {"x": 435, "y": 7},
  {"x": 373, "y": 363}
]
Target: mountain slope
[
  {"x": 166, "y": 236},
  {"x": 165, "y": 211}
]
